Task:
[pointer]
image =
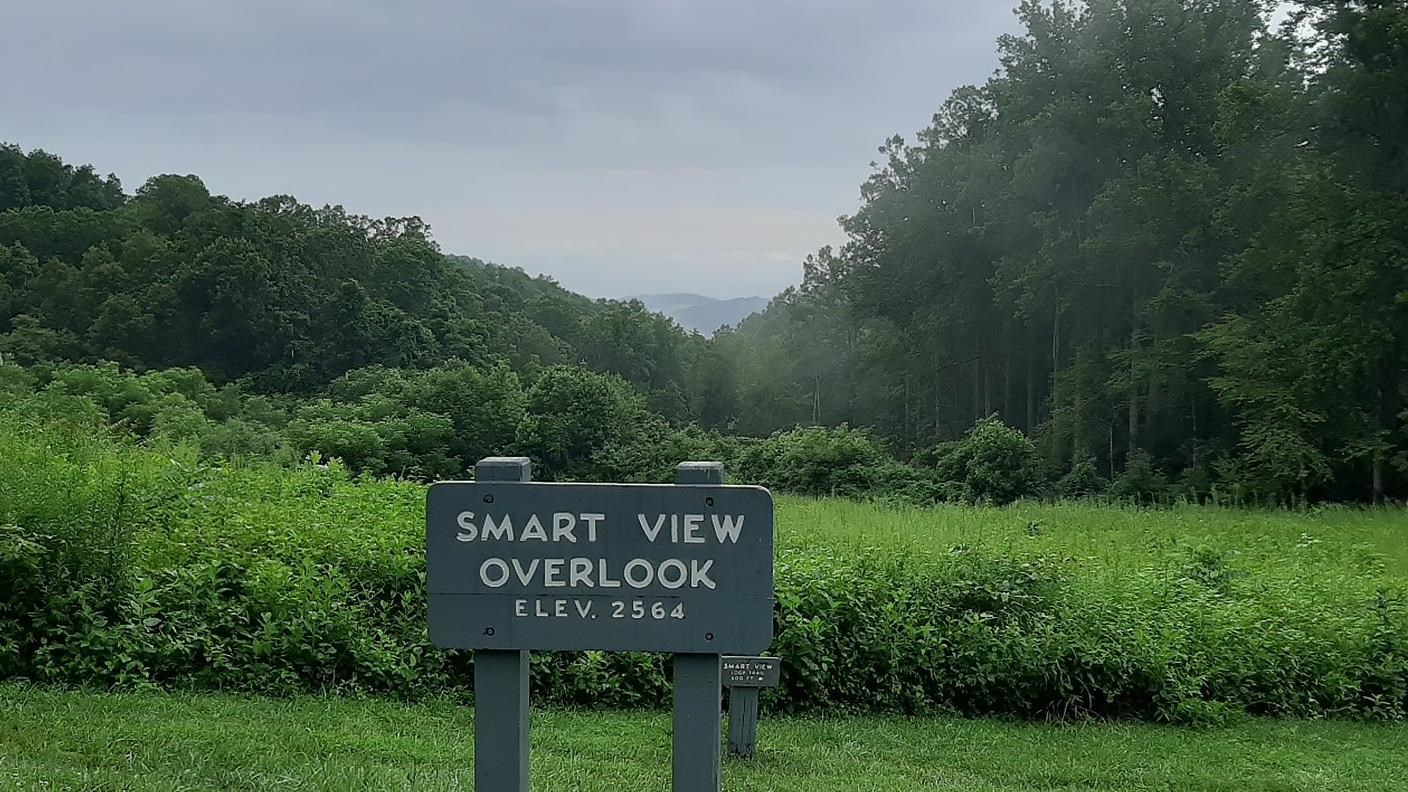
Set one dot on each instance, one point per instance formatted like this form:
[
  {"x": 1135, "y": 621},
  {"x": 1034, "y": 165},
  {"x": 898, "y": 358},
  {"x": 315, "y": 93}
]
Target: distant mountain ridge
[{"x": 700, "y": 313}]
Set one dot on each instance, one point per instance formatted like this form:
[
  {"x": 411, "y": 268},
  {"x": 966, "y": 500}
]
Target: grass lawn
[{"x": 63, "y": 740}]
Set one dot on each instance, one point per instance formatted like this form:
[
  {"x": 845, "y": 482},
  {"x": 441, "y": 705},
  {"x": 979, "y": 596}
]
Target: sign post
[
  {"x": 744, "y": 677},
  {"x": 501, "y": 682},
  {"x": 514, "y": 565},
  {"x": 697, "y": 716}
]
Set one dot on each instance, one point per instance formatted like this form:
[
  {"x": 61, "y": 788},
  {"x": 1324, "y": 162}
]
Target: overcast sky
[{"x": 621, "y": 147}]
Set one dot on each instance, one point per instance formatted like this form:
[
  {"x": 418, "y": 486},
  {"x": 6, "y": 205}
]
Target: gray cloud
[{"x": 621, "y": 146}]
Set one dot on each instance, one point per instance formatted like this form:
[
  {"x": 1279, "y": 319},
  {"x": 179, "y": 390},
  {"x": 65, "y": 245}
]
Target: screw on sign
[{"x": 513, "y": 566}]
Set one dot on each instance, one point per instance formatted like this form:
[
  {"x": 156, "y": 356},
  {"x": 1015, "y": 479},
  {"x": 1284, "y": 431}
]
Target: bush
[
  {"x": 485, "y": 407},
  {"x": 1140, "y": 482},
  {"x": 337, "y": 433},
  {"x": 1195, "y": 484},
  {"x": 993, "y": 461},
  {"x": 814, "y": 460},
  {"x": 651, "y": 454},
  {"x": 24, "y": 562},
  {"x": 907, "y": 485},
  {"x": 239, "y": 439},
  {"x": 15, "y": 381},
  {"x": 573, "y": 414},
  {"x": 1083, "y": 481}
]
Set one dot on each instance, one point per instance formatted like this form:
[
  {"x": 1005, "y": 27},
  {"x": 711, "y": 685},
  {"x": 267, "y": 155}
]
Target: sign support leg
[
  {"x": 697, "y": 723},
  {"x": 501, "y": 721},
  {"x": 698, "y": 718},
  {"x": 743, "y": 722},
  {"x": 501, "y": 684}
]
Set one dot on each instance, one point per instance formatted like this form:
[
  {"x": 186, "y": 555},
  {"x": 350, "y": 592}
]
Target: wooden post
[
  {"x": 698, "y": 719},
  {"x": 501, "y": 683},
  {"x": 743, "y": 722}
]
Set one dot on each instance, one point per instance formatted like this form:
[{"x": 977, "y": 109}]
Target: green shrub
[
  {"x": 572, "y": 415},
  {"x": 899, "y": 483},
  {"x": 651, "y": 453},
  {"x": 238, "y": 438},
  {"x": 337, "y": 433},
  {"x": 815, "y": 460},
  {"x": 993, "y": 461},
  {"x": 1082, "y": 481},
  {"x": 24, "y": 571},
  {"x": 485, "y": 407},
  {"x": 1140, "y": 482},
  {"x": 15, "y": 381},
  {"x": 1195, "y": 484}
]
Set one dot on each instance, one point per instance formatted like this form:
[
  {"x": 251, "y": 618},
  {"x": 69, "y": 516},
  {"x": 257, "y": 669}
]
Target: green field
[
  {"x": 1104, "y": 539},
  {"x": 132, "y": 567},
  {"x": 80, "y": 741},
  {"x": 141, "y": 569}
]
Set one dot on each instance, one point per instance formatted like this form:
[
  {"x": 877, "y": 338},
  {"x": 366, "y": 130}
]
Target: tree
[
  {"x": 995, "y": 462},
  {"x": 572, "y": 414},
  {"x": 485, "y": 407}
]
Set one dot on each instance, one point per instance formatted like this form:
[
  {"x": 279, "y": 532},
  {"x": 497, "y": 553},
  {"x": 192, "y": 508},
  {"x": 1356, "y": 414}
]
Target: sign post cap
[
  {"x": 504, "y": 469},
  {"x": 699, "y": 473}
]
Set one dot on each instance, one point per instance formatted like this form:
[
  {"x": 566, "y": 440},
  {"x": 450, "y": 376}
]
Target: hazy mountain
[{"x": 705, "y": 314}]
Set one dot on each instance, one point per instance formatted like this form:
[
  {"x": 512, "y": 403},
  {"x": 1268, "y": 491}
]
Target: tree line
[
  {"x": 284, "y": 297},
  {"x": 1165, "y": 232},
  {"x": 1165, "y": 241}
]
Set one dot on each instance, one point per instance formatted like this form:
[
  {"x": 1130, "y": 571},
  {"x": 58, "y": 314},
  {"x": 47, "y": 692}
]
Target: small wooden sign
[
  {"x": 753, "y": 672},
  {"x": 744, "y": 676}
]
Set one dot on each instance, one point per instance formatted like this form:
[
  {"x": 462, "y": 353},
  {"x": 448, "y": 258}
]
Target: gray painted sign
[
  {"x": 757, "y": 672},
  {"x": 684, "y": 568}
]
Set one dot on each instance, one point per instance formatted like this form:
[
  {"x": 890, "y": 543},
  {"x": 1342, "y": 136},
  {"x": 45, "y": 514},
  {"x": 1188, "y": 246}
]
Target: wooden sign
[
  {"x": 623, "y": 567},
  {"x": 513, "y": 565}
]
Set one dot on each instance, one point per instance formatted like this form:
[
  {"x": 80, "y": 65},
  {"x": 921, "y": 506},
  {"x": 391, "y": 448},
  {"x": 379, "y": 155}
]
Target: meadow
[
  {"x": 142, "y": 567},
  {"x": 55, "y": 740}
]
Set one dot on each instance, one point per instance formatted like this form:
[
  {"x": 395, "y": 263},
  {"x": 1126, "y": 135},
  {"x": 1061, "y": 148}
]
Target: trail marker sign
[
  {"x": 751, "y": 672},
  {"x": 513, "y": 566},
  {"x": 744, "y": 676}
]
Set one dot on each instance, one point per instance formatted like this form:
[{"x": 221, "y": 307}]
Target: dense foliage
[
  {"x": 1162, "y": 235},
  {"x": 281, "y": 296},
  {"x": 1165, "y": 242},
  {"x": 576, "y": 424},
  {"x": 131, "y": 567}
]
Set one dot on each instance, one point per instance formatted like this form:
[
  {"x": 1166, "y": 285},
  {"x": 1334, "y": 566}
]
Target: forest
[{"x": 1161, "y": 253}]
